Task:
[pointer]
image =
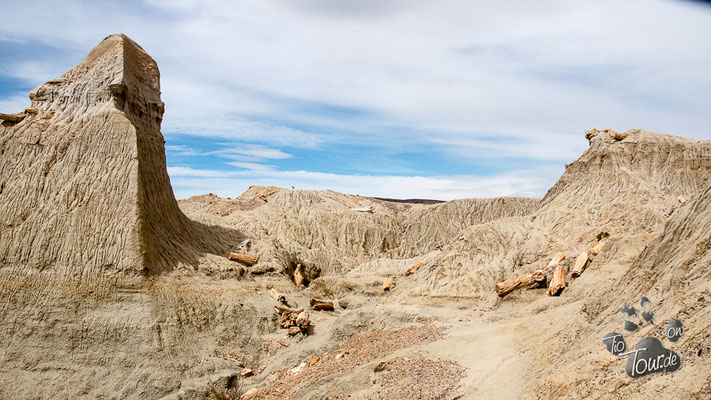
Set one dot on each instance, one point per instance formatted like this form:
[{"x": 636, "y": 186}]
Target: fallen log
[
  {"x": 414, "y": 268},
  {"x": 295, "y": 321},
  {"x": 280, "y": 297},
  {"x": 244, "y": 259},
  {"x": 558, "y": 282},
  {"x": 313, "y": 360},
  {"x": 597, "y": 249},
  {"x": 302, "y": 320},
  {"x": 536, "y": 278},
  {"x": 251, "y": 394},
  {"x": 557, "y": 259},
  {"x": 280, "y": 309},
  {"x": 298, "y": 276},
  {"x": 580, "y": 264},
  {"x": 317, "y": 304}
]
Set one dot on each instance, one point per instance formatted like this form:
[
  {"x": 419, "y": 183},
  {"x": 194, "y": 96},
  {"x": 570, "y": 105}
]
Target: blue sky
[{"x": 394, "y": 98}]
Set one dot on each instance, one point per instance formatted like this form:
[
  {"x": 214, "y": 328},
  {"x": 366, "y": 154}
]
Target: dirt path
[{"x": 495, "y": 367}]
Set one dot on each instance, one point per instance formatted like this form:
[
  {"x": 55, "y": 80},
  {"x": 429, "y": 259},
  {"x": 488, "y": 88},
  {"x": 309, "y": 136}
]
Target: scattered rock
[{"x": 246, "y": 373}]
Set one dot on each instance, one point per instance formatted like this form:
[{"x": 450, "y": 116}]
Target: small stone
[{"x": 246, "y": 373}]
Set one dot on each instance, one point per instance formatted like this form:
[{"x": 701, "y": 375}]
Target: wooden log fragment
[
  {"x": 244, "y": 259},
  {"x": 580, "y": 264},
  {"x": 317, "y": 304},
  {"x": 280, "y": 297},
  {"x": 557, "y": 259},
  {"x": 313, "y": 360},
  {"x": 598, "y": 247},
  {"x": 414, "y": 268},
  {"x": 558, "y": 282},
  {"x": 251, "y": 394},
  {"x": 280, "y": 309},
  {"x": 533, "y": 279},
  {"x": 302, "y": 321},
  {"x": 298, "y": 276}
]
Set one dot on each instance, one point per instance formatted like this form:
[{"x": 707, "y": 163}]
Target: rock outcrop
[
  {"x": 90, "y": 233},
  {"x": 84, "y": 183}
]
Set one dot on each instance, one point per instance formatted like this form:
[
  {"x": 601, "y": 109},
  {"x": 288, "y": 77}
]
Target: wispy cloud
[
  {"x": 532, "y": 182},
  {"x": 384, "y": 82},
  {"x": 252, "y": 166}
]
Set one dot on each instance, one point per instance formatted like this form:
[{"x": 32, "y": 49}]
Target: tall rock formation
[
  {"x": 83, "y": 174},
  {"x": 91, "y": 241}
]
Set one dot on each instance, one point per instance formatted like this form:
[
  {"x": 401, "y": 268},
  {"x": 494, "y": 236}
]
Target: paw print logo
[
  {"x": 649, "y": 355},
  {"x": 631, "y": 312}
]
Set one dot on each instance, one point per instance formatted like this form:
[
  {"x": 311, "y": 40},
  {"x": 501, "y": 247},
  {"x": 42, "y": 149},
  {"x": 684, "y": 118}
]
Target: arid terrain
[{"x": 112, "y": 289}]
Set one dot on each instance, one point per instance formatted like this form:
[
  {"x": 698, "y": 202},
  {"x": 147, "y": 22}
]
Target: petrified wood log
[
  {"x": 280, "y": 309},
  {"x": 535, "y": 279},
  {"x": 558, "y": 282},
  {"x": 294, "y": 320},
  {"x": 598, "y": 247},
  {"x": 298, "y": 276},
  {"x": 244, "y": 259},
  {"x": 557, "y": 259},
  {"x": 317, "y": 304},
  {"x": 414, "y": 268},
  {"x": 580, "y": 264},
  {"x": 280, "y": 297},
  {"x": 388, "y": 284}
]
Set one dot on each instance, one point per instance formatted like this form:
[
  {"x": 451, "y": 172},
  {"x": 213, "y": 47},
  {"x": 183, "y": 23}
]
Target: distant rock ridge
[{"x": 83, "y": 173}]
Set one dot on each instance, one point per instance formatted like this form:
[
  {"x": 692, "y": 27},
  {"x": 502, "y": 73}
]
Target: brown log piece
[
  {"x": 280, "y": 297},
  {"x": 251, "y": 394},
  {"x": 533, "y": 279},
  {"x": 557, "y": 259},
  {"x": 302, "y": 320},
  {"x": 280, "y": 309},
  {"x": 298, "y": 276},
  {"x": 414, "y": 268},
  {"x": 317, "y": 304},
  {"x": 244, "y": 259},
  {"x": 580, "y": 264},
  {"x": 558, "y": 282},
  {"x": 313, "y": 360},
  {"x": 602, "y": 235},
  {"x": 388, "y": 284},
  {"x": 289, "y": 317},
  {"x": 598, "y": 247}
]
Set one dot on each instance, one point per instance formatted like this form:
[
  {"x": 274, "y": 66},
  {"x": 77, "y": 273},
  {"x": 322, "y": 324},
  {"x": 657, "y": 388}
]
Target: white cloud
[
  {"x": 14, "y": 103},
  {"x": 532, "y": 182},
  {"x": 465, "y": 79},
  {"x": 252, "y": 166},
  {"x": 256, "y": 152}
]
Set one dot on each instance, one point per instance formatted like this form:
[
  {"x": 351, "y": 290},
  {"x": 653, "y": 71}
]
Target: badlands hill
[{"x": 110, "y": 288}]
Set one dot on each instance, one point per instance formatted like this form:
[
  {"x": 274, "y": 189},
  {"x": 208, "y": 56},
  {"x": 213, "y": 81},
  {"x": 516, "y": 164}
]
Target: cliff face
[{"x": 89, "y": 229}]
